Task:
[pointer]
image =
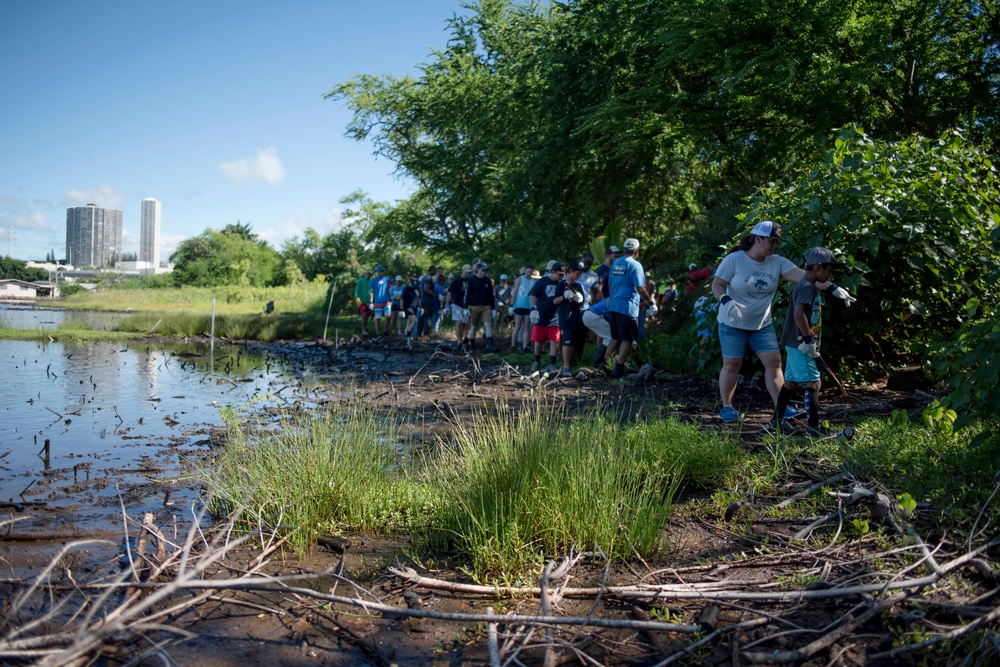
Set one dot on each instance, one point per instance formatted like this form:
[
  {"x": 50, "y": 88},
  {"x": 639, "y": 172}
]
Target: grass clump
[
  {"x": 330, "y": 471},
  {"x": 953, "y": 470},
  {"x": 524, "y": 485}
]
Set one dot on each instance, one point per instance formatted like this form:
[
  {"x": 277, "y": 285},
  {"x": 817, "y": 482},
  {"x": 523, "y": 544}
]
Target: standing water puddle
[{"x": 127, "y": 424}]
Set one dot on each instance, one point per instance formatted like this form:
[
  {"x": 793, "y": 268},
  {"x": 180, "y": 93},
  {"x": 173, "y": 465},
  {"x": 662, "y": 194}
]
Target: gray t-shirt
[
  {"x": 807, "y": 294},
  {"x": 752, "y": 284}
]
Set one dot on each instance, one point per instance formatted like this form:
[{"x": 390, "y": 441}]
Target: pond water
[
  {"x": 121, "y": 419},
  {"x": 29, "y": 316}
]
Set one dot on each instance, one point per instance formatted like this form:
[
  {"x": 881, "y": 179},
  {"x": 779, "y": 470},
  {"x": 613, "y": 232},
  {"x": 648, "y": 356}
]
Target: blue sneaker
[
  {"x": 729, "y": 414},
  {"x": 792, "y": 413}
]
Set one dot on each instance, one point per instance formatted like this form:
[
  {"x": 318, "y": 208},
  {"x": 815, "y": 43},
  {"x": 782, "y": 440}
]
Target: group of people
[{"x": 562, "y": 306}]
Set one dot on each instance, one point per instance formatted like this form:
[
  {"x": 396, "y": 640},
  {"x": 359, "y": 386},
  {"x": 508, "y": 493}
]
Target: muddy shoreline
[{"x": 434, "y": 385}]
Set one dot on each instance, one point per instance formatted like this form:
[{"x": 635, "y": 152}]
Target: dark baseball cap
[
  {"x": 576, "y": 265},
  {"x": 820, "y": 255},
  {"x": 557, "y": 267}
]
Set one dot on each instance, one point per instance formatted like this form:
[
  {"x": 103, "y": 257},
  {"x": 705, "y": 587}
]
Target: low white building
[{"x": 17, "y": 289}]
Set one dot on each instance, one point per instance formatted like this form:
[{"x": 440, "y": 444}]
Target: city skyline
[{"x": 217, "y": 112}]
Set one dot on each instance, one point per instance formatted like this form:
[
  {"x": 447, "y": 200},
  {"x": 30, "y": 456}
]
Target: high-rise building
[
  {"x": 93, "y": 235},
  {"x": 149, "y": 241}
]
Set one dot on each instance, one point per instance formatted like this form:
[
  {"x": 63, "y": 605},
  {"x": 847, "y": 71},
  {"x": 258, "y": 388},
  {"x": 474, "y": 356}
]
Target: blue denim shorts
[
  {"x": 799, "y": 367},
  {"x": 734, "y": 341}
]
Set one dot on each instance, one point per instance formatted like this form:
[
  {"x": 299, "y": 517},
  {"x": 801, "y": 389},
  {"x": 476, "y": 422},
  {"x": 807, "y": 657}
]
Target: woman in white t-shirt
[{"x": 745, "y": 284}]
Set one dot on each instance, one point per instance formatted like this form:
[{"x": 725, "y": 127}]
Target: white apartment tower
[{"x": 149, "y": 241}]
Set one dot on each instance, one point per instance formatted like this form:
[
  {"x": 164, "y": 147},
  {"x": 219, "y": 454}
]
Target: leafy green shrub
[
  {"x": 916, "y": 223},
  {"x": 667, "y": 351}
]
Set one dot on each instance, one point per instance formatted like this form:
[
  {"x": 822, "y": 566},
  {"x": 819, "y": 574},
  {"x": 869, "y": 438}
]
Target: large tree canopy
[
  {"x": 234, "y": 256},
  {"x": 540, "y": 123}
]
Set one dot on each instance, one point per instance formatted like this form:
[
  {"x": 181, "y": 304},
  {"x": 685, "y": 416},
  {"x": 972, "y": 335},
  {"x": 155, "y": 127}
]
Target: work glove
[
  {"x": 534, "y": 316},
  {"x": 842, "y": 294},
  {"x": 733, "y": 310},
  {"x": 808, "y": 347},
  {"x": 652, "y": 310},
  {"x": 574, "y": 296}
]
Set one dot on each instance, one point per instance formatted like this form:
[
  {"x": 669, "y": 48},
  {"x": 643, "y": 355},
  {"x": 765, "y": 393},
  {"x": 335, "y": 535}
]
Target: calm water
[
  {"x": 118, "y": 415},
  {"x": 18, "y": 316}
]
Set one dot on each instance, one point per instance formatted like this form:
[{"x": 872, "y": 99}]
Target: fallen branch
[{"x": 810, "y": 649}]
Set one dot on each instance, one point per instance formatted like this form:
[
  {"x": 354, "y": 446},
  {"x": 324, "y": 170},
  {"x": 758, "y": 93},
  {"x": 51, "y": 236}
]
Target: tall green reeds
[
  {"x": 508, "y": 488},
  {"x": 523, "y": 486},
  {"x": 332, "y": 471}
]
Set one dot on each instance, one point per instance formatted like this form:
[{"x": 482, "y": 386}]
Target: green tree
[
  {"x": 17, "y": 269},
  {"x": 233, "y": 256}
]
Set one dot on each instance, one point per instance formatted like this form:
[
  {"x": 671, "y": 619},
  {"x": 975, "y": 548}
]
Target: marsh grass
[
  {"x": 521, "y": 486},
  {"x": 332, "y": 471},
  {"x": 229, "y": 300},
  {"x": 950, "y": 470},
  {"x": 257, "y": 326},
  {"x": 65, "y": 335}
]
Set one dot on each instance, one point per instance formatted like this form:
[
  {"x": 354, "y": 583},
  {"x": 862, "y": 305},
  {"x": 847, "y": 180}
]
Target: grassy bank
[
  {"x": 299, "y": 314},
  {"x": 511, "y": 488},
  {"x": 229, "y": 300}
]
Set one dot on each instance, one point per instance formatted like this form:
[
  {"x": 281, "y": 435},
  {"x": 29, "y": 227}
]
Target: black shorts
[
  {"x": 396, "y": 308},
  {"x": 624, "y": 327},
  {"x": 573, "y": 337},
  {"x": 410, "y": 311},
  {"x": 522, "y": 311}
]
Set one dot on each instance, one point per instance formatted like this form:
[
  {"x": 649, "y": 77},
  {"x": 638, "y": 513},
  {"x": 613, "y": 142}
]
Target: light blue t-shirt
[
  {"x": 752, "y": 284},
  {"x": 380, "y": 289},
  {"x": 627, "y": 276}
]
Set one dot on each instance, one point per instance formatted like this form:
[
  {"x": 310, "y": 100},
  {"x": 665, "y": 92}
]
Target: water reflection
[
  {"x": 29, "y": 316},
  {"x": 116, "y": 412}
]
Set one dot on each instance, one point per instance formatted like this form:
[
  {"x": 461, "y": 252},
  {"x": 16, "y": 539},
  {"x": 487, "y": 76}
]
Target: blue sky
[{"x": 212, "y": 107}]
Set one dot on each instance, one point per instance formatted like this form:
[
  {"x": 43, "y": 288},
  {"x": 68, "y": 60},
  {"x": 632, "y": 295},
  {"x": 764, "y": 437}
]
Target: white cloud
[
  {"x": 169, "y": 243},
  {"x": 36, "y": 222},
  {"x": 104, "y": 196},
  {"x": 296, "y": 226},
  {"x": 266, "y": 167}
]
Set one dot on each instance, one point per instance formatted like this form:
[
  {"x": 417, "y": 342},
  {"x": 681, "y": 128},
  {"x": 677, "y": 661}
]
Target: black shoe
[
  {"x": 818, "y": 431},
  {"x": 780, "y": 427}
]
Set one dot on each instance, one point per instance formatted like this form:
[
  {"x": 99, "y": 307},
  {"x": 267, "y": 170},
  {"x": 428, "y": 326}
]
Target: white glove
[
  {"x": 577, "y": 297},
  {"x": 733, "y": 310},
  {"x": 809, "y": 349},
  {"x": 652, "y": 310},
  {"x": 568, "y": 295},
  {"x": 844, "y": 295},
  {"x": 534, "y": 316}
]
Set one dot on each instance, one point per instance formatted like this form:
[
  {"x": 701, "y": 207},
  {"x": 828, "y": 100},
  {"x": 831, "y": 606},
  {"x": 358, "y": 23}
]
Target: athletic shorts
[
  {"x": 624, "y": 327},
  {"x": 382, "y": 310},
  {"x": 598, "y": 325},
  {"x": 459, "y": 314},
  {"x": 479, "y": 314},
  {"x": 522, "y": 312},
  {"x": 734, "y": 341},
  {"x": 397, "y": 307},
  {"x": 800, "y": 367},
  {"x": 576, "y": 337},
  {"x": 410, "y": 312},
  {"x": 364, "y": 309},
  {"x": 540, "y": 334}
]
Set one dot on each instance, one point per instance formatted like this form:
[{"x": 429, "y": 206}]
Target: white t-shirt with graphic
[{"x": 752, "y": 284}]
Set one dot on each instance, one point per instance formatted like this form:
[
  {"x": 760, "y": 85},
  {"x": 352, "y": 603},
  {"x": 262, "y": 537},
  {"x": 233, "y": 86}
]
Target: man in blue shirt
[
  {"x": 628, "y": 294},
  {"x": 380, "y": 299}
]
